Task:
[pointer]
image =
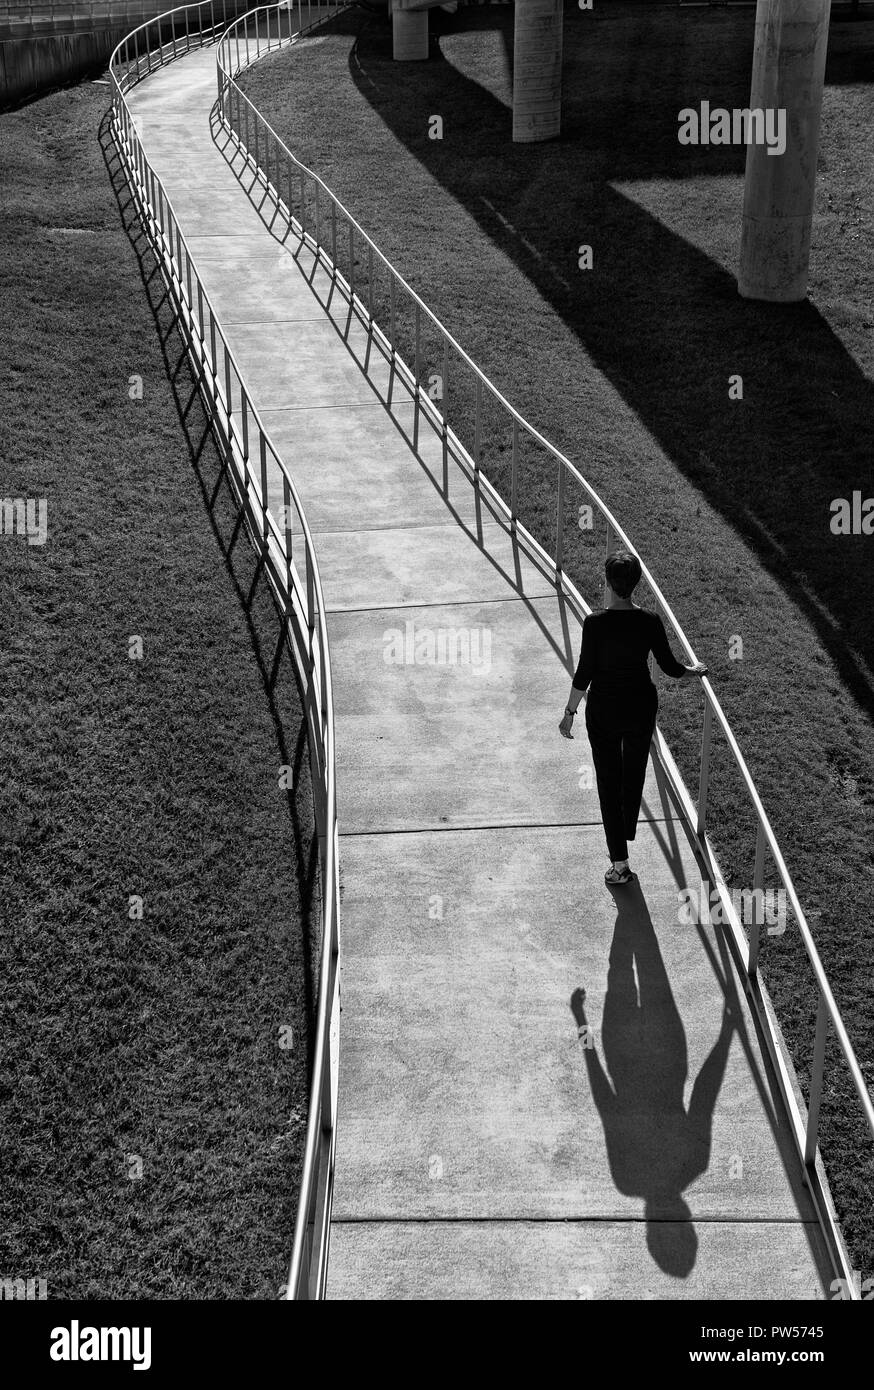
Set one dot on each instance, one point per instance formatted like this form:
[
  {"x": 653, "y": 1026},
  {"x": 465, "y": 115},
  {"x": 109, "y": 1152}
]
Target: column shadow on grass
[{"x": 660, "y": 319}]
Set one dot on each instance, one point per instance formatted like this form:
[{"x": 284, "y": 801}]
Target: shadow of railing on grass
[{"x": 266, "y": 624}]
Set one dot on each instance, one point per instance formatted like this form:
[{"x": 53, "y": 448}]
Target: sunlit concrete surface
[{"x": 547, "y": 1088}]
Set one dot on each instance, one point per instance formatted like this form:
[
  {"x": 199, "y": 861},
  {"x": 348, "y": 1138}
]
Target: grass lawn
[
  {"x": 152, "y": 1124},
  {"x": 626, "y": 368}
]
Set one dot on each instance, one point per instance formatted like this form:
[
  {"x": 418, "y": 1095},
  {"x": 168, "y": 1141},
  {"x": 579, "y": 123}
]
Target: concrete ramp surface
[{"x": 548, "y": 1089}]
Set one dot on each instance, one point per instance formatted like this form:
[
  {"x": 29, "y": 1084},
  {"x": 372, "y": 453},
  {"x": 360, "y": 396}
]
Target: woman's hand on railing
[{"x": 699, "y": 669}]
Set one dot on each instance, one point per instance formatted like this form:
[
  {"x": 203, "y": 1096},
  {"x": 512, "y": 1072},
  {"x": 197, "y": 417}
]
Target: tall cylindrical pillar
[
  {"x": 409, "y": 34},
  {"x": 537, "y": 39},
  {"x": 788, "y": 72}
]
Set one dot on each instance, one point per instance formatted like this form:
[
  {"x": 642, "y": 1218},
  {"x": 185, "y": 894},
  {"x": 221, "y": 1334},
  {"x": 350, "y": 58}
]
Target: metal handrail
[
  {"x": 238, "y": 50},
  {"x": 294, "y": 576}
]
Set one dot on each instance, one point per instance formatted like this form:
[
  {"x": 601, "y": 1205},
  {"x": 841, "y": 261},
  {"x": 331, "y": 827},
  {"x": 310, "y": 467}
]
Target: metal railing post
[
  {"x": 244, "y": 416},
  {"x": 311, "y": 613},
  {"x": 816, "y": 1071},
  {"x": 704, "y": 774},
  {"x": 188, "y": 277},
  {"x": 418, "y": 353},
  {"x": 514, "y": 483},
  {"x": 445, "y": 391},
  {"x": 559, "y": 520},
  {"x": 229, "y": 403},
  {"x": 478, "y": 426},
  {"x": 264, "y": 493},
  {"x": 212, "y": 353},
  {"x": 286, "y": 520},
  {"x": 391, "y": 314},
  {"x": 323, "y": 724},
  {"x": 758, "y": 886}
]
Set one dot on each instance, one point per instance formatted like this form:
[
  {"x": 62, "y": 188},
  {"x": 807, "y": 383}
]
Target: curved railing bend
[
  {"x": 355, "y": 265},
  {"x": 286, "y": 549}
]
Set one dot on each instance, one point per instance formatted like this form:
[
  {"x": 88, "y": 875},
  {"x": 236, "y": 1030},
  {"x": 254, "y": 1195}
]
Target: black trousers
[{"x": 620, "y": 730}]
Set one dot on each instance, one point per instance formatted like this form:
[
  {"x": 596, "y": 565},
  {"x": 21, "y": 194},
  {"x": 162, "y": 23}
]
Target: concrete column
[
  {"x": 788, "y": 70},
  {"x": 537, "y": 37},
  {"x": 409, "y": 34}
]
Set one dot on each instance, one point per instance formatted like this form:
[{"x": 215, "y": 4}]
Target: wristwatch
[{"x": 569, "y": 711}]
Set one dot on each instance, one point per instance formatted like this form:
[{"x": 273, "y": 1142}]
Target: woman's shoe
[{"x": 614, "y": 875}]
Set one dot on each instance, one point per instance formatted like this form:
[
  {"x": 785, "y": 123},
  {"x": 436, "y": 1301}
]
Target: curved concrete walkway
[{"x": 547, "y": 1089}]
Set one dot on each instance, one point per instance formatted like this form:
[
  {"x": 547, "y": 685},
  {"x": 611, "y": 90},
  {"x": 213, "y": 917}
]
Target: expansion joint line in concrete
[
  {"x": 417, "y": 604},
  {"x": 625, "y": 1218},
  {"x": 351, "y": 405},
  {"x": 450, "y": 526},
  {"x": 457, "y": 829}
]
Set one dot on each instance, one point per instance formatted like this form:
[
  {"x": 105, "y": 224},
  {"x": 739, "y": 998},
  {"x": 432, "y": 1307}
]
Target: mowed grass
[
  {"x": 152, "y": 1124},
  {"x": 626, "y": 368}
]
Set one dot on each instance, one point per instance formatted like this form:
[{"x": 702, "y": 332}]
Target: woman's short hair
[{"x": 623, "y": 572}]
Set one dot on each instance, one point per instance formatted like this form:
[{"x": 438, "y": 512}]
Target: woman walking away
[{"x": 622, "y": 703}]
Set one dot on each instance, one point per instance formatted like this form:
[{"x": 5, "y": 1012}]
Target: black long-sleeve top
[{"x": 615, "y": 649}]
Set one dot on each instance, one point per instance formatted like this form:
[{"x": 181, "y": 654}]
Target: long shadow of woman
[{"x": 655, "y": 1146}]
